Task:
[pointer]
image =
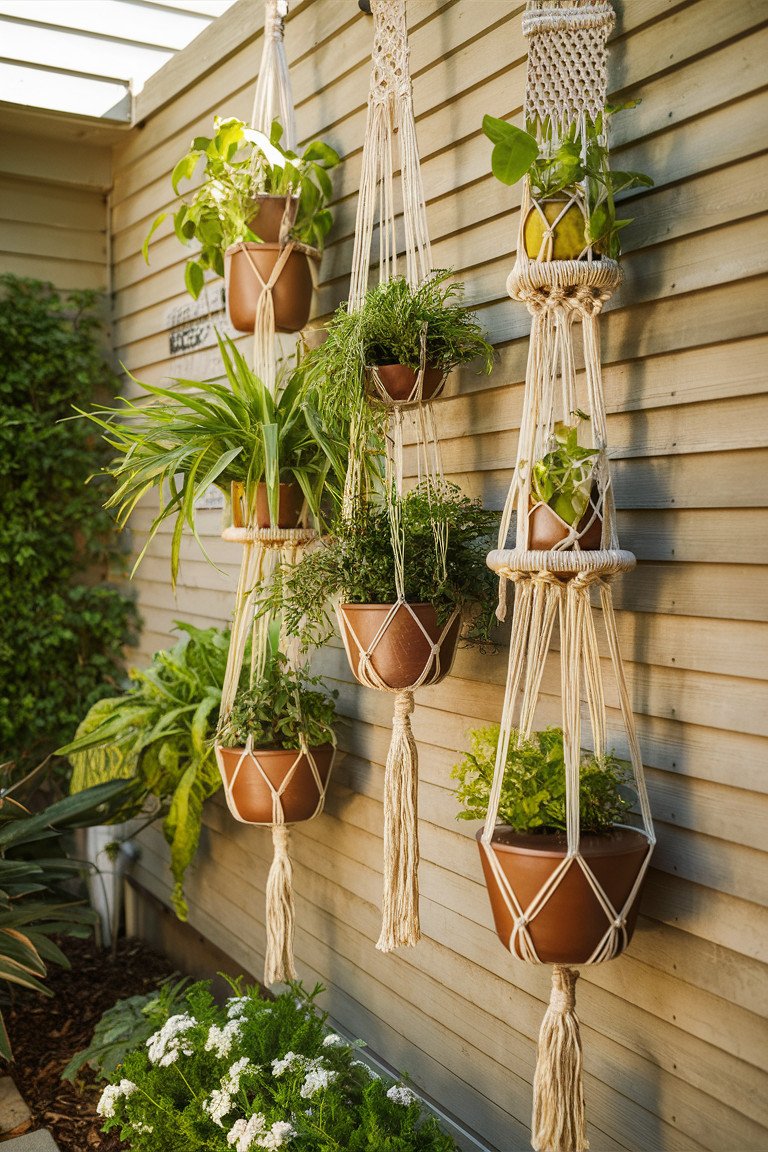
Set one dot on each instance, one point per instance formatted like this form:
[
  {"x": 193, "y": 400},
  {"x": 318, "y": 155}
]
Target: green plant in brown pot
[
  {"x": 564, "y": 504},
  {"x": 530, "y": 841},
  {"x": 572, "y": 184}
]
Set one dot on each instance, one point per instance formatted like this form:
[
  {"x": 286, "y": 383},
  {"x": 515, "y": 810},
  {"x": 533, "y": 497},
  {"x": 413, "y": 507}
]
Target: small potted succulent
[
  {"x": 573, "y": 213},
  {"x": 272, "y": 453},
  {"x": 445, "y": 592},
  {"x": 564, "y": 504},
  {"x": 530, "y": 842},
  {"x": 255, "y": 196},
  {"x": 278, "y": 741},
  {"x": 401, "y": 342}
]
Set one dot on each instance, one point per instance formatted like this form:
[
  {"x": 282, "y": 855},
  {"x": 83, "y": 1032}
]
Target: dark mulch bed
[{"x": 46, "y": 1033}]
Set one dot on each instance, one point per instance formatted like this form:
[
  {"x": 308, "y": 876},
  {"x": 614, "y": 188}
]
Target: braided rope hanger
[
  {"x": 263, "y": 550},
  {"x": 566, "y": 83},
  {"x": 391, "y": 129}
]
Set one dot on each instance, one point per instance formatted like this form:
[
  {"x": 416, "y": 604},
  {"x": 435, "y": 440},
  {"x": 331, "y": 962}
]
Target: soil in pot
[
  {"x": 398, "y": 381},
  {"x": 289, "y": 508},
  {"x": 251, "y": 795},
  {"x": 571, "y": 923},
  {"x": 291, "y": 293},
  {"x": 402, "y": 653},
  {"x": 267, "y": 221},
  {"x": 568, "y": 242},
  {"x": 546, "y": 530}
]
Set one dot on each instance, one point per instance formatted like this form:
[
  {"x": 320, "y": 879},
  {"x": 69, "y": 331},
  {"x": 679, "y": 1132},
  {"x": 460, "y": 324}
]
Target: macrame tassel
[
  {"x": 558, "y": 1123},
  {"x": 400, "y": 903},
  {"x": 278, "y": 963}
]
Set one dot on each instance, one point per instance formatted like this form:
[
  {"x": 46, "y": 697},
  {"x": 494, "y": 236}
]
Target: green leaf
[
  {"x": 514, "y": 150},
  {"x": 155, "y": 225},
  {"x": 193, "y": 278}
]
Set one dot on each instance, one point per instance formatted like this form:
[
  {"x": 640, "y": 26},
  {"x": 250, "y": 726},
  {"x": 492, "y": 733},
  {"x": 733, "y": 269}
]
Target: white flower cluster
[
  {"x": 254, "y": 1133},
  {"x": 220, "y": 1103},
  {"x": 236, "y": 1006},
  {"x": 317, "y": 1074},
  {"x": 165, "y": 1046},
  {"x": 333, "y": 1040},
  {"x": 111, "y": 1094},
  {"x": 220, "y": 1040},
  {"x": 401, "y": 1095}
]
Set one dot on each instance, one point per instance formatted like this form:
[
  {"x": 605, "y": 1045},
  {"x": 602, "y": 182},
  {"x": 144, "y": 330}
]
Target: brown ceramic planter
[
  {"x": 267, "y": 221},
  {"x": 289, "y": 509},
  {"x": 402, "y": 653},
  {"x": 252, "y": 797},
  {"x": 545, "y": 530},
  {"x": 572, "y": 923},
  {"x": 291, "y": 293},
  {"x": 398, "y": 380}
]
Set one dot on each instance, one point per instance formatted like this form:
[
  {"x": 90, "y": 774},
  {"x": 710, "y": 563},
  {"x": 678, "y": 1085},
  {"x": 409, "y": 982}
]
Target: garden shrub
[
  {"x": 259, "y": 1073},
  {"x": 63, "y": 622}
]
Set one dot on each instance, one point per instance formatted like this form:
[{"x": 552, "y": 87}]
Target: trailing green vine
[{"x": 63, "y": 622}]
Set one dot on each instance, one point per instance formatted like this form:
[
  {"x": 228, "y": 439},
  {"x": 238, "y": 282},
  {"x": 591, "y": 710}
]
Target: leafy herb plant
[
  {"x": 563, "y": 477},
  {"x": 281, "y": 708},
  {"x": 241, "y": 164},
  {"x": 159, "y": 733},
  {"x": 259, "y": 1073},
  {"x": 357, "y": 564},
  {"x": 564, "y": 164},
  {"x": 213, "y": 432},
  {"x": 533, "y": 790}
]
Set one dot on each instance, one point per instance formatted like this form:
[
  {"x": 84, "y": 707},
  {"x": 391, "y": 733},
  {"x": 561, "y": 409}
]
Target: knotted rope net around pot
[
  {"x": 390, "y": 135},
  {"x": 259, "y": 786},
  {"x": 556, "y": 568}
]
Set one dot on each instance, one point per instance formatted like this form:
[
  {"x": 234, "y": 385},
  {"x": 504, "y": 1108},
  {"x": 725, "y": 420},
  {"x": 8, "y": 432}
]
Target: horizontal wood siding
[{"x": 674, "y": 1031}]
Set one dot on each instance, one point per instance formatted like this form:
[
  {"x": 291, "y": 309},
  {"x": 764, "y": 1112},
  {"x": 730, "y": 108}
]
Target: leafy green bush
[
  {"x": 533, "y": 790},
  {"x": 259, "y": 1073},
  {"x": 126, "y": 1025},
  {"x": 160, "y": 732},
  {"x": 35, "y": 877},
  {"x": 358, "y": 566},
  {"x": 62, "y": 624},
  {"x": 281, "y": 707}
]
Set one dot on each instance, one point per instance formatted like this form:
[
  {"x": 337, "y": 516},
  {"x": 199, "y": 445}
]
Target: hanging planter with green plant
[
  {"x": 258, "y": 204},
  {"x": 569, "y": 924}
]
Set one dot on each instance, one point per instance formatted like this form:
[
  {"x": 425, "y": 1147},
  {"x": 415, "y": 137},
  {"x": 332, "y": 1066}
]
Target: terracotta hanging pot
[
  {"x": 571, "y": 924},
  {"x": 251, "y": 796},
  {"x": 546, "y": 530},
  {"x": 290, "y": 506},
  {"x": 402, "y": 652},
  {"x": 567, "y": 242},
  {"x": 398, "y": 381},
  {"x": 267, "y": 222},
  {"x": 291, "y": 292}
]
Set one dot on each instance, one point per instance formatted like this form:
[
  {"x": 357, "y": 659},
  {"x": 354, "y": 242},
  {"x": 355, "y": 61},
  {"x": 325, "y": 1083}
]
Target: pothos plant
[
  {"x": 159, "y": 733},
  {"x": 239, "y": 165},
  {"x": 577, "y": 160},
  {"x": 533, "y": 791},
  {"x": 563, "y": 477}
]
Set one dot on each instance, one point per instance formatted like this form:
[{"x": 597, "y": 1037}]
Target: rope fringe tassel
[
  {"x": 400, "y": 902},
  {"x": 278, "y": 963},
  {"x": 558, "y": 1123}
]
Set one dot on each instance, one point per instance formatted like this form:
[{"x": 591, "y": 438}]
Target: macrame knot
[
  {"x": 563, "y": 997},
  {"x": 404, "y": 705}
]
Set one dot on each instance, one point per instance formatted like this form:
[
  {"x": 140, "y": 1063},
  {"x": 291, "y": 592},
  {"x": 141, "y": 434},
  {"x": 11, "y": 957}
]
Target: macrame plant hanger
[
  {"x": 566, "y": 83},
  {"x": 263, "y": 550},
  {"x": 391, "y": 129}
]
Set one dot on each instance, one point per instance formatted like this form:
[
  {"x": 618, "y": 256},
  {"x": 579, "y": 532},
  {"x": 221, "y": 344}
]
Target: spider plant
[{"x": 199, "y": 433}]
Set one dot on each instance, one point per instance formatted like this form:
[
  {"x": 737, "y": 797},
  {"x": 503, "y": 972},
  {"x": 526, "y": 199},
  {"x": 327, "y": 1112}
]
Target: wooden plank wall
[
  {"x": 674, "y": 1033},
  {"x": 53, "y": 201}
]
